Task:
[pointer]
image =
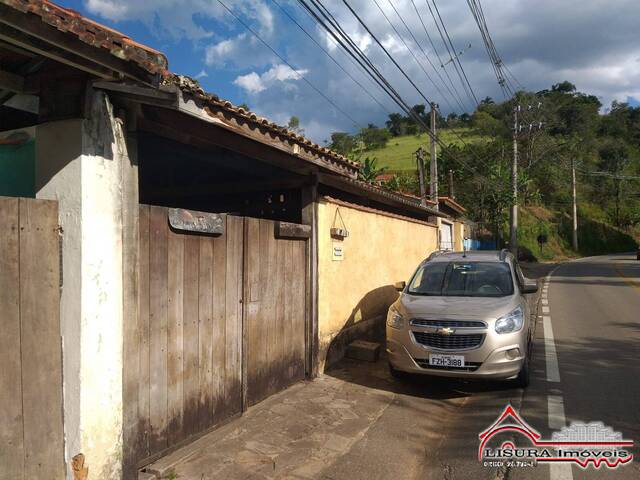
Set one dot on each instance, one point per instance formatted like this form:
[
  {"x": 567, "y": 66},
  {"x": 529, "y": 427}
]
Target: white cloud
[
  {"x": 202, "y": 74},
  {"x": 280, "y": 74},
  {"x": 251, "y": 82}
]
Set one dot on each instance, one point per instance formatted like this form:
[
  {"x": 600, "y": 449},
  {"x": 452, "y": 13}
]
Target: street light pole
[{"x": 575, "y": 206}]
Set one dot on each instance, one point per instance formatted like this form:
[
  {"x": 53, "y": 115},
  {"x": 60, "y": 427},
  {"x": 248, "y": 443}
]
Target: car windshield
[{"x": 462, "y": 279}]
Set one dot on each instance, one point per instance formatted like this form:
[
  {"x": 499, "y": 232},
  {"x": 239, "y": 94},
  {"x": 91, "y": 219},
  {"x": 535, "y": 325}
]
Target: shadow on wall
[{"x": 366, "y": 322}]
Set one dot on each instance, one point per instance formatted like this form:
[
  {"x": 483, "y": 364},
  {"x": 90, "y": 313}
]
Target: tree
[
  {"x": 294, "y": 125},
  {"x": 342, "y": 143},
  {"x": 395, "y": 124},
  {"x": 369, "y": 170},
  {"x": 373, "y": 137}
]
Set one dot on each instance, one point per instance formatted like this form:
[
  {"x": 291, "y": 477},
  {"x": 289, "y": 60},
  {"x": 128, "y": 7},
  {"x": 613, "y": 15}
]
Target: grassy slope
[
  {"x": 594, "y": 236},
  {"x": 398, "y": 155}
]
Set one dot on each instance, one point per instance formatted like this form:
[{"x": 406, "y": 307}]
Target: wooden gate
[
  {"x": 31, "y": 432},
  {"x": 194, "y": 348},
  {"x": 275, "y": 310}
]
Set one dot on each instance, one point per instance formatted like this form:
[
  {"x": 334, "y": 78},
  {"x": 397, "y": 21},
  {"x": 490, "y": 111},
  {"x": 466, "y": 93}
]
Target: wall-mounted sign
[
  {"x": 192, "y": 221},
  {"x": 338, "y": 252}
]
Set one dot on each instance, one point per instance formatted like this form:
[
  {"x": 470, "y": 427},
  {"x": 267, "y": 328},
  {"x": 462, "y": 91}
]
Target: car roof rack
[{"x": 435, "y": 254}]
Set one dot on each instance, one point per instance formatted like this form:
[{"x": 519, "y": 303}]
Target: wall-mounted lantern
[{"x": 339, "y": 233}]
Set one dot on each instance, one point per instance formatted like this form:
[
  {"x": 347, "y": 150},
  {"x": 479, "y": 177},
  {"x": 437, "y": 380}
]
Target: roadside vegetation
[{"x": 558, "y": 125}]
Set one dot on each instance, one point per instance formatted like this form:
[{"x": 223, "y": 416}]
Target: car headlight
[
  {"x": 511, "y": 322},
  {"x": 394, "y": 319}
]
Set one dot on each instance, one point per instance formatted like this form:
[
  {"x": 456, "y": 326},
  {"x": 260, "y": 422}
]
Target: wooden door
[
  {"x": 189, "y": 333},
  {"x": 31, "y": 431},
  {"x": 274, "y": 310}
]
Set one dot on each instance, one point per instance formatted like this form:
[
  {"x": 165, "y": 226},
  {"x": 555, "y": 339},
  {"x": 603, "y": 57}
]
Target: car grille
[
  {"x": 449, "y": 342},
  {"x": 468, "y": 367},
  {"x": 419, "y": 322}
]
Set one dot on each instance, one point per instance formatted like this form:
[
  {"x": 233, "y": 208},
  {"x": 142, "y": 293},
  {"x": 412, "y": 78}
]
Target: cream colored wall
[
  {"x": 378, "y": 252},
  {"x": 458, "y": 236}
]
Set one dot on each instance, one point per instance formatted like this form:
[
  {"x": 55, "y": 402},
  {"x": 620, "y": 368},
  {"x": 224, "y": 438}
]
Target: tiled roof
[
  {"x": 191, "y": 86},
  {"x": 451, "y": 203},
  {"x": 93, "y": 33}
]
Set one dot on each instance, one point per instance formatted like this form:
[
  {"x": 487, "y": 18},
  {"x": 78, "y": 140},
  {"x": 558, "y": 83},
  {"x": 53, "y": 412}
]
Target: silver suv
[{"x": 463, "y": 315}]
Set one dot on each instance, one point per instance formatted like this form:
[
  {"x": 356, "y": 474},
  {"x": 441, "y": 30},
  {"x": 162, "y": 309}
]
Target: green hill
[
  {"x": 595, "y": 237},
  {"x": 398, "y": 154}
]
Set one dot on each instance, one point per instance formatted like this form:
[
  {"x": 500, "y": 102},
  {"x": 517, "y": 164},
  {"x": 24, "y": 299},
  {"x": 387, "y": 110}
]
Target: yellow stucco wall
[
  {"x": 379, "y": 251},
  {"x": 458, "y": 236}
]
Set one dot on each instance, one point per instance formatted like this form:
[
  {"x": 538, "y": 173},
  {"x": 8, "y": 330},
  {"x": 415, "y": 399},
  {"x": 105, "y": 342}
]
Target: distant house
[{"x": 169, "y": 259}]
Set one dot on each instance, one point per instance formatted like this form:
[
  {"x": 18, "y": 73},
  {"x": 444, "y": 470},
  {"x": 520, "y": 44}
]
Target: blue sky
[{"x": 591, "y": 43}]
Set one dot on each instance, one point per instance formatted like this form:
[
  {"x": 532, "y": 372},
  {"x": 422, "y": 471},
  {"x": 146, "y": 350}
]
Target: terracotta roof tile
[{"x": 93, "y": 33}]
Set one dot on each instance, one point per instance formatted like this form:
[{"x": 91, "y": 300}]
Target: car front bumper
[{"x": 407, "y": 355}]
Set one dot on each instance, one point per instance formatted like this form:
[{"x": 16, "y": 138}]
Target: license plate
[{"x": 450, "y": 361}]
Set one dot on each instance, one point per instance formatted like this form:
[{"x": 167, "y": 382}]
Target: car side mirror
[
  {"x": 530, "y": 286},
  {"x": 400, "y": 286}
]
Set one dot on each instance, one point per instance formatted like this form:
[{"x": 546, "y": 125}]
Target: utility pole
[
  {"x": 513, "y": 237},
  {"x": 575, "y": 206},
  {"x": 420, "y": 165},
  {"x": 451, "y": 192},
  {"x": 434, "y": 157}
]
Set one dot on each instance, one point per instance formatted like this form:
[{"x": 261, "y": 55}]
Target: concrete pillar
[{"x": 80, "y": 163}]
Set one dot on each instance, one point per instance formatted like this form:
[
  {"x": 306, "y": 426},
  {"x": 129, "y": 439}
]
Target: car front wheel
[{"x": 524, "y": 376}]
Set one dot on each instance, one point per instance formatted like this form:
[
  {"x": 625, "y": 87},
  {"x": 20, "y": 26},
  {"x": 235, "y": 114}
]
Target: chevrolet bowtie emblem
[{"x": 445, "y": 331}]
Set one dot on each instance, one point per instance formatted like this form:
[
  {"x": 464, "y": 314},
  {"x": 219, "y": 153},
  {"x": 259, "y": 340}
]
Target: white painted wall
[{"x": 79, "y": 163}]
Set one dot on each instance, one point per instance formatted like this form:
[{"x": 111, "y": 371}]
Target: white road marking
[
  {"x": 545, "y": 309},
  {"x": 558, "y": 471},
  {"x": 545, "y": 301},
  {"x": 553, "y": 372},
  {"x": 556, "y": 412}
]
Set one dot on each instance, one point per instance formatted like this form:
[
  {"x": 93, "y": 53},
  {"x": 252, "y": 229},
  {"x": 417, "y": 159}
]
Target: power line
[
  {"x": 331, "y": 57},
  {"x": 426, "y": 31},
  {"x": 424, "y": 53},
  {"x": 301, "y": 77},
  {"x": 452, "y": 51},
  {"x": 332, "y": 26}
]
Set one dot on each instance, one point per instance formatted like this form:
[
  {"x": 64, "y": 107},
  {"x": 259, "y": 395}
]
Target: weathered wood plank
[
  {"x": 251, "y": 327},
  {"x": 191, "y": 361},
  {"x": 158, "y": 269},
  {"x": 278, "y": 346},
  {"x": 175, "y": 337},
  {"x": 219, "y": 336},
  {"x": 300, "y": 308},
  {"x": 287, "y": 328},
  {"x": 11, "y": 429},
  {"x": 144, "y": 427},
  {"x": 205, "y": 329},
  {"x": 233, "y": 320},
  {"x": 131, "y": 331},
  {"x": 40, "y": 336}
]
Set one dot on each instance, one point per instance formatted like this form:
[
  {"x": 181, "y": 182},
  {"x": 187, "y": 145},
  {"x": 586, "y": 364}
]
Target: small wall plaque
[
  {"x": 193, "y": 221},
  {"x": 338, "y": 252}
]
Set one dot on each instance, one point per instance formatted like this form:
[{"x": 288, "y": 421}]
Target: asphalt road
[{"x": 586, "y": 368}]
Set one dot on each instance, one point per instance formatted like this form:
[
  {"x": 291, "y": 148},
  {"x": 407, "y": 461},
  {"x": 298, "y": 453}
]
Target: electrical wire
[{"x": 300, "y": 77}]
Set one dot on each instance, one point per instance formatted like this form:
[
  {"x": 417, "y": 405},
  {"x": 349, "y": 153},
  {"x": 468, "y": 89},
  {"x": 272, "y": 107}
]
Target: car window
[
  {"x": 464, "y": 279},
  {"x": 428, "y": 279}
]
